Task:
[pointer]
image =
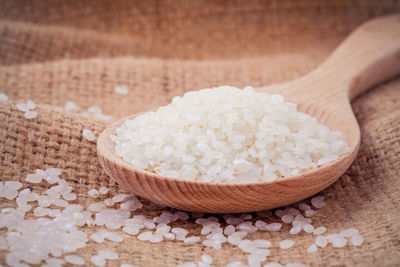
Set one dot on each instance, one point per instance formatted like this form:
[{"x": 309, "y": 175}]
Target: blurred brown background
[{"x": 180, "y": 29}]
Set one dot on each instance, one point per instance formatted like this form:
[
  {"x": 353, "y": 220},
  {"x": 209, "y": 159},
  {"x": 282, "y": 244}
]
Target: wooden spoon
[{"x": 369, "y": 56}]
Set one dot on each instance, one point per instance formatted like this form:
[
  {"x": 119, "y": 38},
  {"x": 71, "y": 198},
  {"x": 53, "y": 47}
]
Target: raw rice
[
  {"x": 227, "y": 135},
  {"x": 66, "y": 220}
]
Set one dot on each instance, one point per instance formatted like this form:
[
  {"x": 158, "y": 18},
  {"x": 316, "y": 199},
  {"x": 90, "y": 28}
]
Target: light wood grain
[{"x": 370, "y": 55}]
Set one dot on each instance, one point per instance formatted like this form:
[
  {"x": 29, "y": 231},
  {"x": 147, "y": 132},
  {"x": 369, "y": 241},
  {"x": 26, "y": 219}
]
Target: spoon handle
[{"x": 369, "y": 56}]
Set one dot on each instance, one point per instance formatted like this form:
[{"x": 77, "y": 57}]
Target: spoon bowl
[{"x": 369, "y": 56}]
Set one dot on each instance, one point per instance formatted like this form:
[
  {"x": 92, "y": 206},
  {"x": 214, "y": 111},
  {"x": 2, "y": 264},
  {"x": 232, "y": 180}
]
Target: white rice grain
[
  {"x": 285, "y": 244},
  {"x": 88, "y": 135},
  {"x": 3, "y": 97},
  {"x": 30, "y": 114},
  {"x": 74, "y": 259},
  {"x": 319, "y": 230},
  {"x": 98, "y": 261},
  {"x": 321, "y": 241},
  {"x": 357, "y": 240},
  {"x": 108, "y": 254},
  {"x": 121, "y": 90},
  {"x": 313, "y": 248}
]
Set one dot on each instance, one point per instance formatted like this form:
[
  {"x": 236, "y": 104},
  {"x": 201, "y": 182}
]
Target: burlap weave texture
[{"x": 53, "y": 52}]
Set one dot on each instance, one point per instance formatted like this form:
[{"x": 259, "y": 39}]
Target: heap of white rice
[{"x": 227, "y": 135}]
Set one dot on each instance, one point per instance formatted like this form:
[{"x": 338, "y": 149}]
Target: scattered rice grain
[
  {"x": 357, "y": 240},
  {"x": 74, "y": 259},
  {"x": 321, "y": 241},
  {"x": 108, "y": 254},
  {"x": 98, "y": 260},
  {"x": 285, "y": 244},
  {"x": 313, "y": 248},
  {"x": 30, "y": 114},
  {"x": 121, "y": 90},
  {"x": 319, "y": 230},
  {"x": 88, "y": 135},
  {"x": 3, "y": 97},
  {"x": 103, "y": 190}
]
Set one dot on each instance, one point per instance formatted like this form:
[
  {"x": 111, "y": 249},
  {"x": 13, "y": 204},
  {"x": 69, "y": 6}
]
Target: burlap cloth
[{"x": 55, "y": 51}]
